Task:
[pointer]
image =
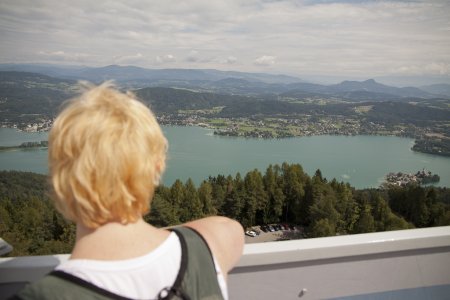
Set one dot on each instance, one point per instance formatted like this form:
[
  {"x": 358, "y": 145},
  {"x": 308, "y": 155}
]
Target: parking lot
[{"x": 279, "y": 235}]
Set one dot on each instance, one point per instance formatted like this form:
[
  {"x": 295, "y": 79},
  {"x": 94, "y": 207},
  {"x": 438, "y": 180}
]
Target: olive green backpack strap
[
  {"x": 61, "y": 285},
  {"x": 200, "y": 277}
]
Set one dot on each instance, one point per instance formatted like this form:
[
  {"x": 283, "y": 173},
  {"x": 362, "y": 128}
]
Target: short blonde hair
[{"x": 106, "y": 156}]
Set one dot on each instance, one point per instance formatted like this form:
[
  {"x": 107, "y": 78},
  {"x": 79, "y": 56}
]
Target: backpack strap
[
  {"x": 58, "y": 284},
  {"x": 200, "y": 278}
]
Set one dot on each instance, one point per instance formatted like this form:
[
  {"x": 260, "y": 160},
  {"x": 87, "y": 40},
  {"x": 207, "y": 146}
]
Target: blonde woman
[{"x": 106, "y": 156}]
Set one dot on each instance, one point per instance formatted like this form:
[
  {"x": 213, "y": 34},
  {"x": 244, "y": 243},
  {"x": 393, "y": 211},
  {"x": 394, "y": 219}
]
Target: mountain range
[{"x": 232, "y": 82}]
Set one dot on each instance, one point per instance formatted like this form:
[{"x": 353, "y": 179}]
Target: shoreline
[
  {"x": 18, "y": 148},
  {"x": 216, "y": 131}
]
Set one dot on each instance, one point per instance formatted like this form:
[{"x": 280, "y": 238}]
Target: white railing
[{"x": 412, "y": 264}]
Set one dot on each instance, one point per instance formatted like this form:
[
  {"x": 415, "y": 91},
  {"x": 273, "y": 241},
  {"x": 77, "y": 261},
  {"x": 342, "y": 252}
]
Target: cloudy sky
[{"x": 337, "y": 38}]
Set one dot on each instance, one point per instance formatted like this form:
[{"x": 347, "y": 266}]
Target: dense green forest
[{"x": 283, "y": 193}]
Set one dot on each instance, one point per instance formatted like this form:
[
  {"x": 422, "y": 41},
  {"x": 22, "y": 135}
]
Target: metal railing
[{"x": 413, "y": 264}]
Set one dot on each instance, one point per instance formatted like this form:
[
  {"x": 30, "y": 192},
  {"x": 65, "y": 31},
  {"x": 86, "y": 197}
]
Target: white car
[{"x": 250, "y": 233}]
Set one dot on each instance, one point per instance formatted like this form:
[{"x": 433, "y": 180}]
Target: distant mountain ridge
[
  {"x": 232, "y": 82},
  {"x": 371, "y": 85},
  {"x": 439, "y": 89},
  {"x": 127, "y": 73}
]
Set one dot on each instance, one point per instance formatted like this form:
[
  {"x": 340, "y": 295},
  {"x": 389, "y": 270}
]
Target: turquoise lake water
[{"x": 195, "y": 152}]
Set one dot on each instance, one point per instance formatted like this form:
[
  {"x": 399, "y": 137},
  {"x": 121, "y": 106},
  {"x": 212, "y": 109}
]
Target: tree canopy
[{"x": 283, "y": 194}]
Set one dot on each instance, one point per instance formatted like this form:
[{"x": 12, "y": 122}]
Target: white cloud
[
  {"x": 438, "y": 68},
  {"x": 231, "y": 60},
  {"x": 433, "y": 68},
  {"x": 129, "y": 59},
  {"x": 167, "y": 58},
  {"x": 62, "y": 56},
  {"x": 354, "y": 38},
  {"x": 193, "y": 56},
  {"x": 265, "y": 60}
]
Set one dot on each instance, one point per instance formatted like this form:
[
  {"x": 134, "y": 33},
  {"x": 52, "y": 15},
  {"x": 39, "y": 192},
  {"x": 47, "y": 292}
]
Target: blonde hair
[{"x": 106, "y": 155}]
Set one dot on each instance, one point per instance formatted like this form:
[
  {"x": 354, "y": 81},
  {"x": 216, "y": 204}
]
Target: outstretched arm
[{"x": 225, "y": 238}]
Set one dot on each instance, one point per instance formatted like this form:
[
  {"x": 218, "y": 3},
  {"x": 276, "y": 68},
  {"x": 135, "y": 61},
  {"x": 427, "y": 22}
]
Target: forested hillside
[
  {"x": 28, "y": 97},
  {"x": 280, "y": 194},
  {"x": 169, "y": 100}
]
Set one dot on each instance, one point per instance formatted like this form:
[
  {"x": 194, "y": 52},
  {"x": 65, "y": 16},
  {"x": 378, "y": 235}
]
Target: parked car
[
  {"x": 250, "y": 233},
  {"x": 271, "y": 228},
  {"x": 264, "y": 228},
  {"x": 286, "y": 226},
  {"x": 257, "y": 231}
]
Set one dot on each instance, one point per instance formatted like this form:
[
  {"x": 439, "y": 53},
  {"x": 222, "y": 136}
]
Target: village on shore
[{"x": 404, "y": 179}]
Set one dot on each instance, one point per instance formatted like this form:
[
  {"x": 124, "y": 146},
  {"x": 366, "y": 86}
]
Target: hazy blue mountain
[
  {"x": 307, "y": 87},
  {"x": 231, "y": 82},
  {"x": 29, "y": 79},
  {"x": 439, "y": 89},
  {"x": 259, "y": 77},
  {"x": 371, "y": 85},
  {"x": 131, "y": 73},
  {"x": 368, "y": 90},
  {"x": 46, "y": 69}
]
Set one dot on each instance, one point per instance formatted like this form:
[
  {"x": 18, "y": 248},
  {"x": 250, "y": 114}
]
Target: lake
[{"x": 195, "y": 152}]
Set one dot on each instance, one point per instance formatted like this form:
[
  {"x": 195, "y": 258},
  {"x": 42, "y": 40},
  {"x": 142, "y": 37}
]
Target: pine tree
[
  {"x": 205, "y": 195},
  {"x": 276, "y": 198},
  {"x": 162, "y": 213},
  {"x": 254, "y": 187},
  {"x": 177, "y": 198},
  {"x": 192, "y": 206},
  {"x": 293, "y": 190},
  {"x": 365, "y": 222},
  {"x": 218, "y": 185}
]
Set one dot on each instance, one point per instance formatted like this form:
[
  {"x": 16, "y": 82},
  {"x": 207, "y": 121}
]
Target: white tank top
[{"x": 138, "y": 278}]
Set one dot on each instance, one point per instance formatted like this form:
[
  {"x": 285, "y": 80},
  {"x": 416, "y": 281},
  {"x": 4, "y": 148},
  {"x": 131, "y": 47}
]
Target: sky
[{"x": 351, "y": 39}]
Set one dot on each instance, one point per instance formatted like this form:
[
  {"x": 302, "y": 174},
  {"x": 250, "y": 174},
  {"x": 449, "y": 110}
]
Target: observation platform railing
[{"x": 407, "y": 264}]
